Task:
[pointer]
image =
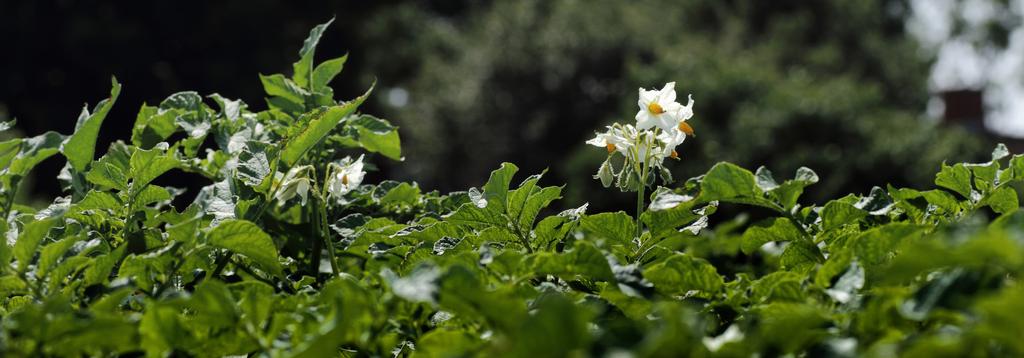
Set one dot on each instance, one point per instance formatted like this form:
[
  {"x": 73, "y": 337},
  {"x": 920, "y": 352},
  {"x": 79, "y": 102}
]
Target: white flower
[
  {"x": 348, "y": 174},
  {"x": 658, "y": 108},
  {"x": 615, "y": 139},
  {"x": 684, "y": 114},
  {"x": 295, "y": 182},
  {"x": 670, "y": 140}
]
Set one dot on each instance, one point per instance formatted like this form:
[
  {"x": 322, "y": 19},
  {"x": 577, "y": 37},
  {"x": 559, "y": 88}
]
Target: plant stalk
[{"x": 324, "y": 228}]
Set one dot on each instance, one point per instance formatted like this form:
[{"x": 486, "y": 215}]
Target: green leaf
[
  {"x": 153, "y": 126},
  {"x": 377, "y": 136},
  {"x": 34, "y": 150},
  {"x": 287, "y": 106},
  {"x": 50, "y": 254},
  {"x": 254, "y": 166},
  {"x": 326, "y": 71},
  {"x": 769, "y": 230},
  {"x": 244, "y": 237},
  {"x": 875, "y": 246},
  {"x": 496, "y": 188},
  {"x": 95, "y": 208},
  {"x": 525, "y": 202},
  {"x": 446, "y": 343},
  {"x": 146, "y": 165},
  {"x": 190, "y": 113},
  {"x": 1000, "y": 152},
  {"x": 730, "y": 183},
  {"x": 316, "y": 129},
  {"x": 540, "y": 199},
  {"x": 214, "y": 305},
  {"x": 791, "y": 327},
  {"x": 764, "y": 179},
  {"x": 303, "y": 75},
  {"x": 1002, "y": 200},
  {"x": 230, "y": 109},
  {"x": 788, "y": 193},
  {"x": 8, "y": 150},
  {"x": 584, "y": 260},
  {"x": 151, "y": 194},
  {"x": 669, "y": 211},
  {"x": 836, "y": 264},
  {"x": 559, "y": 327},
  {"x": 837, "y": 213},
  {"x": 80, "y": 147},
  {"x": 12, "y": 285},
  {"x": 100, "y": 268},
  {"x": 463, "y": 293},
  {"x": 779, "y": 285},
  {"x": 681, "y": 273},
  {"x": 113, "y": 168},
  {"x": 800, "y": 256},
  {"x": 279, "y": 86},
  {"x": 29, "y": 240},
  {"x": 956, "y": 178},
  {"x": 618, "y": 227},
  {"x": 404, "y": 193},
  {"x": 160, "y": 329},
  {"x": 942, "y": 199},
  {"x": 6, "y": 252}
]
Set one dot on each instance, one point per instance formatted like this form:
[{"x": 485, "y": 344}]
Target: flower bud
[{"x": 605, "y": 174}]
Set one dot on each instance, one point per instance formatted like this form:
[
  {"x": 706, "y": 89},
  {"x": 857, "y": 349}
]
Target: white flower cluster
[
  {"x": 343, "y": 176},
  {"x": 660, "y": 127}
]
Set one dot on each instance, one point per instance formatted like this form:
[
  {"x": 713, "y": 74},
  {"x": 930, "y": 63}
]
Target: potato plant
[{"x": 287, "y": 252}]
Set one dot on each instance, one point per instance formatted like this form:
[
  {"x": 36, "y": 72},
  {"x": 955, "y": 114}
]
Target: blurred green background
[{"x": 837, "y": 86}]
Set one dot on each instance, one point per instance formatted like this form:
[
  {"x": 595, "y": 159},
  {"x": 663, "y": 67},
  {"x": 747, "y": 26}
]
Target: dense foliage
[{"x": 285, "y": 253}]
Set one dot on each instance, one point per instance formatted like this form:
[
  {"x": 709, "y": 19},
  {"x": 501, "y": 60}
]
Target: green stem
[
  {"x": 639, "y": 210},
  {"x": 326, "y": 234},
  {"x": 317, "y": 248},
  {"x": 221, "y": 263},
  {"x": 10, "y": 198},
  {"x": 642, "y": 167},
  {"x": 522, "y": 238},
  {"x": 325, "y": 230}
]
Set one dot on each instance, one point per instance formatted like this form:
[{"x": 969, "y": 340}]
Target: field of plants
[{"x": 288, "y": 252}]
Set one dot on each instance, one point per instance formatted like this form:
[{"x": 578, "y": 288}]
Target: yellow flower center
[
  {"x": 655, "y": 108},
  {"x": 611, "y": 148},
  {"x": 344, "y": 179},
  {"x": 685, "y": 128},
  {"x": 674, "y": 155}
]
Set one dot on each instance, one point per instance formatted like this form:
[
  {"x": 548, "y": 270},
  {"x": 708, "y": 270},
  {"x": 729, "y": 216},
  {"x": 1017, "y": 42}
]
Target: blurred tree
[{"x": 836, "y": 86}]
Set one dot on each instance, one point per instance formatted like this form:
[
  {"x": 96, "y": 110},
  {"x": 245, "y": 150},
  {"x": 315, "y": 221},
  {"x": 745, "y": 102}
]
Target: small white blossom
[
  {"x": 658, "y": 108},
  {"x": 295, "y": 183},
  {"x": 669, "y": 141},
  {"x": 685, "y": 113},
  {"x": 615, "y": 139},
  {"x": 348, "y": 174}
]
